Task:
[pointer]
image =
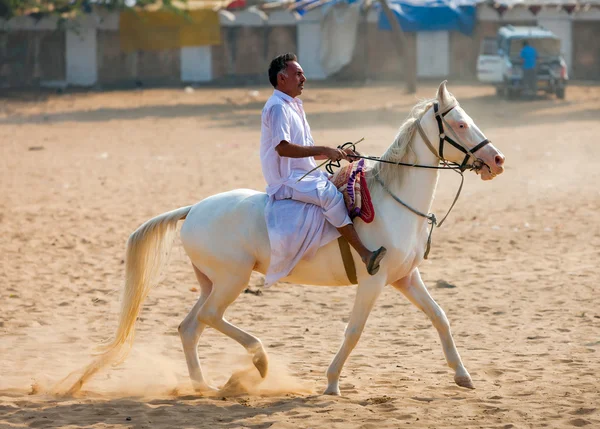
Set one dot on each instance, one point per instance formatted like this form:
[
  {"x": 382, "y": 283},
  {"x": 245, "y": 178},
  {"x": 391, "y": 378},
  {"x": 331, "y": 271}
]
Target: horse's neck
[{"x": 417, "y": 187}]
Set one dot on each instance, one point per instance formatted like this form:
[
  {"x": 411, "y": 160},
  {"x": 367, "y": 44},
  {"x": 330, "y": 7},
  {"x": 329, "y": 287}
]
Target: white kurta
[{"x": 296, "y": 229}]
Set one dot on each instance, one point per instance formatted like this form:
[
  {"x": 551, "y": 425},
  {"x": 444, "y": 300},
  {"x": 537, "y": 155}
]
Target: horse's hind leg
[
  {"x": 190, "y": 330},
  {"x": 226, "y": 288},
  {"x": 415, "y": 290}
]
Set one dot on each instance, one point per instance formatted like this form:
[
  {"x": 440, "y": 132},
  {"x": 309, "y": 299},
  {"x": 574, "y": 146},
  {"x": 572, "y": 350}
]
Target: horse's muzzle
[{"x": 493, "y": 161}]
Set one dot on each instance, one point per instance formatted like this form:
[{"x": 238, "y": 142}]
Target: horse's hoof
[
  {"x": 333, "y": 391},
  {"x": 464, "y": 381},
  {"x": 261, "y": 362}
]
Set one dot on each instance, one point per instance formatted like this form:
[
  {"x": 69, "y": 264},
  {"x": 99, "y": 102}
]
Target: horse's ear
[{"x": 443, "y": 96}]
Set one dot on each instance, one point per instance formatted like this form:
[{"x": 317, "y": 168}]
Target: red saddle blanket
[{"x": 351, "y": 182}]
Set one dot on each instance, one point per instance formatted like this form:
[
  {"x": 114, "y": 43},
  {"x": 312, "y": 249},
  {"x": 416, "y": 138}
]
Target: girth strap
[{"x": 348, "y": 260}]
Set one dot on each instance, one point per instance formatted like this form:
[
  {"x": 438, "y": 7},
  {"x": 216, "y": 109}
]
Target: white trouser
[{"x": 325, "y": 196}]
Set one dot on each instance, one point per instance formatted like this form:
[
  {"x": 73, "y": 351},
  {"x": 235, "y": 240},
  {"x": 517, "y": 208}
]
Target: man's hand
[
  {"x": 351, "y": 154},
  {"x": 334, "y": 154}
]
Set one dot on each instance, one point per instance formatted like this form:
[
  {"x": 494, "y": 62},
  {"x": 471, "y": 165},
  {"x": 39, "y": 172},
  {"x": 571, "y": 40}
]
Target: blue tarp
[{"x": 432, "y": 15}]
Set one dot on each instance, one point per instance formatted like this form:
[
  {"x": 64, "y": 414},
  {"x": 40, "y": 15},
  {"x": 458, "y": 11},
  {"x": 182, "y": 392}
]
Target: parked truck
[{"x": 500, "y": 64}]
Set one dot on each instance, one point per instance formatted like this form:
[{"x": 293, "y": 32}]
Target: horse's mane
[{"x": 401, "y": 150}]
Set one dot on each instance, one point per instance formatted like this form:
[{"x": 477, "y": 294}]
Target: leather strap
[
  {"x": 425, "y": 139},
  {"x": 348, "y": 260}
]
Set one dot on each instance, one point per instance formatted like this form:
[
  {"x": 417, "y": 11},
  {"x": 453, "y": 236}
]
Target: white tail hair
[{"x": 148, "y": 250}]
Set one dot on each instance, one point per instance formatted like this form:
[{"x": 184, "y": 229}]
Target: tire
[
  {"x": 512, "y": 94},
  {"x": 506, "y": 91},
  {"x": 560, "y": 93}
]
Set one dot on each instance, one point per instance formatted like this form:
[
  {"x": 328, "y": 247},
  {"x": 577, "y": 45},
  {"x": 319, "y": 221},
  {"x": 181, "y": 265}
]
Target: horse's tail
[{"x": 147, "y": 253}]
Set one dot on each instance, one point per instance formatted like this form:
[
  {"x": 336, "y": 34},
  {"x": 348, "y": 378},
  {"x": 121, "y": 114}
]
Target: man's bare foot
[{"x": 373, "y": 260}]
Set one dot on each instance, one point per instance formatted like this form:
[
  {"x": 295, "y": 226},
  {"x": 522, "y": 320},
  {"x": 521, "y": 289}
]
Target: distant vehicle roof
[{"x": 523, "y": 32}]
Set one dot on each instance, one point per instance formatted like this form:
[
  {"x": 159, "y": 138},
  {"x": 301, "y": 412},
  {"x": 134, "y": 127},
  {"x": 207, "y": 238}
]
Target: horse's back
[
  {"x": 227, "y": 203},
  {"x": 229, "y": 227}
]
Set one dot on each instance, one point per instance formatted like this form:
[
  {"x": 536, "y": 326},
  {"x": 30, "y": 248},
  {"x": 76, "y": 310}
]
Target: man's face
[{"x": 291, "y": 81}]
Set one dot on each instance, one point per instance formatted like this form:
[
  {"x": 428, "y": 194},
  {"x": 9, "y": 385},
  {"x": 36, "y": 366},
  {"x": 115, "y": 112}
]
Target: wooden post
[{"x": 405, "y": 47}]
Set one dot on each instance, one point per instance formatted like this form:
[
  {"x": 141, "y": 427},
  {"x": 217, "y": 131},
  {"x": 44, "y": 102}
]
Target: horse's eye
[{"x": 462, "y": 125}]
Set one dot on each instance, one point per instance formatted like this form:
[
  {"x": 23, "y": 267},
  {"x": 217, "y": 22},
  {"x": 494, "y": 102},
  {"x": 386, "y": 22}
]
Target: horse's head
[{"x": 461, "y": 141}]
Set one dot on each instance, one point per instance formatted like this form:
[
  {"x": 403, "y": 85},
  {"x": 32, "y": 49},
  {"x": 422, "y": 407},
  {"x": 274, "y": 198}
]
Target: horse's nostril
[{"x": 499, "y": 160}]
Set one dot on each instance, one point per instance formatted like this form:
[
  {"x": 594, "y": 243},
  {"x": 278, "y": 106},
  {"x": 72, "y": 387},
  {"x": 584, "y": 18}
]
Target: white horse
[{"x": 225, "y": 237}]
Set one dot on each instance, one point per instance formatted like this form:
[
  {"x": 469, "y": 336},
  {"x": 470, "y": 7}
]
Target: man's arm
[
  {"x": 279, "y": 122},
  {"x": 291, "y": 150}
]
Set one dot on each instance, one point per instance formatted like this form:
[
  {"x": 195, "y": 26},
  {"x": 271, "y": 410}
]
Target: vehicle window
[
  {"x": 489, "y": 46},
  {"x": 545, "y": 47}
]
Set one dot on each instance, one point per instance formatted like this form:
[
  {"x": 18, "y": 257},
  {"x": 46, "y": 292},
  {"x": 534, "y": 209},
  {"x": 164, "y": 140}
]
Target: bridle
[
  {"x": 477, "y": 164},
  {"x": 458, "y": 144}
]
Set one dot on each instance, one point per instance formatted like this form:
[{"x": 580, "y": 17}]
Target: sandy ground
[{"x": 79, "y": 172}]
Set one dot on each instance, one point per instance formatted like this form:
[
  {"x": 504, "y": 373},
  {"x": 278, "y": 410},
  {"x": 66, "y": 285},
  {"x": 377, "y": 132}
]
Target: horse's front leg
[
  {"x": 414, "y": 289},
  {"x": 366, "y": 295}
]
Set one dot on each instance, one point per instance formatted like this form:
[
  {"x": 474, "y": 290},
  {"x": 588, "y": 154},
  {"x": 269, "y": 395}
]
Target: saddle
[{"x": 351, "y": 182}]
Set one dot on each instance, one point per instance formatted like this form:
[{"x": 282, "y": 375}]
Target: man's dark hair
[
  {"x": 525, "y": 43},
  {"x": 279, "y": 64}
]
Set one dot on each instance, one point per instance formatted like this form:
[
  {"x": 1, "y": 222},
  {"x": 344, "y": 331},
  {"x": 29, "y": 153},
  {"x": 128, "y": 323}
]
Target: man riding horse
[{"x": 287, "y": 153}]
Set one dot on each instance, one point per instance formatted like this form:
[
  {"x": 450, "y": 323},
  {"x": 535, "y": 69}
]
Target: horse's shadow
[{"x": 183, "y": 411}]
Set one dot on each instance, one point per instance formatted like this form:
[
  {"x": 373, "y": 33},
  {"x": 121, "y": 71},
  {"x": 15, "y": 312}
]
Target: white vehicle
[{"x": 499, "y": 62}]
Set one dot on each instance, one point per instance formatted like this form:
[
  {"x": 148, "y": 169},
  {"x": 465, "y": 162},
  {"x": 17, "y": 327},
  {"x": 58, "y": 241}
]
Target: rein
[
  {"x": 431, "y": 216},
  {"x": 477, "y": 165}
]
